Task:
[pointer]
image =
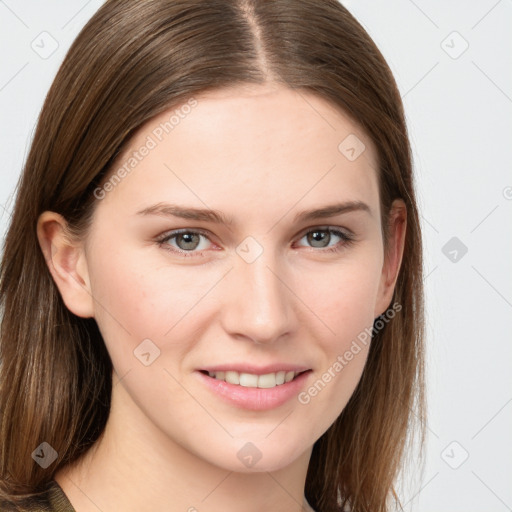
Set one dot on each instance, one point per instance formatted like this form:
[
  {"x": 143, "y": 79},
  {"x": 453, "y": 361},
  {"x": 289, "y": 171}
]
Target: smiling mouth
[{"x": 250, "y": 380}]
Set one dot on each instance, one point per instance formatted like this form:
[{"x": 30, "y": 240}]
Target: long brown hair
[{"x": 132, "y": 61}]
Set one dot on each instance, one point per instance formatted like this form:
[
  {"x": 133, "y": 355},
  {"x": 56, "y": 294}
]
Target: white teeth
[
  {"x": 269, "y": 380},
  {"x": 232, "y": 377},
  {"x": 289, "y": 376},
  {"x": 249, "y": 380}
]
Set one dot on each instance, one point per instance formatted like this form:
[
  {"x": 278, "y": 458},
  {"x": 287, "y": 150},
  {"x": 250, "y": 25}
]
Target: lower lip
[{"x": 256, "y": 399}]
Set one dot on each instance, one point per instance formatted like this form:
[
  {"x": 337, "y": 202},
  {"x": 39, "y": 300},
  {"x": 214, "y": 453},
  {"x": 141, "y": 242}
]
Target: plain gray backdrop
[{"x": 453, "y": 64}]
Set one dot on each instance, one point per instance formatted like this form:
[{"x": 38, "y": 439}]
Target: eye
[
  {"x": 321, "y": 237},
  {"x": 188, "y": 242}
]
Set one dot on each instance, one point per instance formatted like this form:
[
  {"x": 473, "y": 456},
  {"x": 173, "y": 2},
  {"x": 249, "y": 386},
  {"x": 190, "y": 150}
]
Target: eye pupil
[
  {"x": 189, "y": 238},
  {"x": 319, "y": 237}
]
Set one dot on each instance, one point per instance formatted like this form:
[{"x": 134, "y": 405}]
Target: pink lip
[
  {"x": 254, "y": 399},
  {"x": 256, "y": 370}
]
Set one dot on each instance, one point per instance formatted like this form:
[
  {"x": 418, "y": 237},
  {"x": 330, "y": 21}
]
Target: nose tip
[
  {"x": 258, "y": 308},
  {"x": 266, "y": 335}
]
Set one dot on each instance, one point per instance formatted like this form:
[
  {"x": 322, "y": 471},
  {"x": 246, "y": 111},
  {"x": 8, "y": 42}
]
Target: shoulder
[{"x": 52, "y": 499}]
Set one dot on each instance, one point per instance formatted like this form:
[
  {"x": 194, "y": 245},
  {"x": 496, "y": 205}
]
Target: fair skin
[{"x": 260, "y": 155}]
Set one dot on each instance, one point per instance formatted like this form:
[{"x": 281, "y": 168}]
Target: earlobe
[
  {"x": 393, "y": 256},
  {"x": 66, "y": 262}
]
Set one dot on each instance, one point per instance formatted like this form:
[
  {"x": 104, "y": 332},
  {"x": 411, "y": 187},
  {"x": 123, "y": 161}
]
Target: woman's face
[{"x": 202, "y": 257}]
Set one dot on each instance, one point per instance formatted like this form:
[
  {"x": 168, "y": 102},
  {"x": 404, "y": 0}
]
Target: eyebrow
[{"x": 217, "y": 217}]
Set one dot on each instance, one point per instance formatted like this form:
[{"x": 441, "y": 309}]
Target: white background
[{"x": 459, "y": 111}]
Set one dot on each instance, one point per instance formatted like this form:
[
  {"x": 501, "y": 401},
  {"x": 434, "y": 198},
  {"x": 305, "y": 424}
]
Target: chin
[{"x": 257, "y": 456}]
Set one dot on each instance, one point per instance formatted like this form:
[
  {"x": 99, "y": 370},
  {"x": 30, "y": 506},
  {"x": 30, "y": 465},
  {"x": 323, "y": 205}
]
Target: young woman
[{"x": 211, "y": 285}]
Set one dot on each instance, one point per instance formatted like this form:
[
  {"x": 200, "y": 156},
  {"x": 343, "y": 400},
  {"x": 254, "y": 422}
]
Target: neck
[{"x": 135, "y": 466}]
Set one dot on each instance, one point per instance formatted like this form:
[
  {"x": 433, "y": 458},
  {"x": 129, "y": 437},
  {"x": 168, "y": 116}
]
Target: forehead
[
  {"x": 257, "y": 144},
  {"x": 293, "y": 118}
]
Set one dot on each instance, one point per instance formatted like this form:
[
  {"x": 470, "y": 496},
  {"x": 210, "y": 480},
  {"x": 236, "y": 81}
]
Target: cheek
[
  {"x": 345, "y": 304},
  {"x": 344, "y": 298},
  {"x": 133, "y": 305}
]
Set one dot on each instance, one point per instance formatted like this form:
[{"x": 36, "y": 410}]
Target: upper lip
[{"x": 255, "y": 370}]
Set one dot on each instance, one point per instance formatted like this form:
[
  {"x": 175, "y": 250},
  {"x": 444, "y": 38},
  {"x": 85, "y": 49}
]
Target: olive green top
[
  {"x": 53, "y": 500},
  {"x": 57, "y": 500}
]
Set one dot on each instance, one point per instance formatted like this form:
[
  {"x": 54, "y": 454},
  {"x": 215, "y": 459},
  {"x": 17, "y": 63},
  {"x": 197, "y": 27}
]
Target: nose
[{"x": 258, "y": 302}]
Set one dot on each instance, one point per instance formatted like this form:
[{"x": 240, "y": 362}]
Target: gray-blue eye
[
  {"x": 321, "y": 237},
  {"x": 188, "y": 241}
]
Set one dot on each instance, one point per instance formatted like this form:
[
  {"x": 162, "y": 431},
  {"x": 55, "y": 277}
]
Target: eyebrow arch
[
  {"x": 217, "y": 217},
  {"x": 332, "y": 210},
  {"x": 199, "y": 214}
]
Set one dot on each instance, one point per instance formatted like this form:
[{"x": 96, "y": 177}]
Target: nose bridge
[{"x": 259, "y": 304}]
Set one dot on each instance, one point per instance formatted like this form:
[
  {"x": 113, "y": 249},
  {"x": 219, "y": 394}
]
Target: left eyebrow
[
  {"x": 332, "y": 210},
  {"x": 215, "y": 216}
]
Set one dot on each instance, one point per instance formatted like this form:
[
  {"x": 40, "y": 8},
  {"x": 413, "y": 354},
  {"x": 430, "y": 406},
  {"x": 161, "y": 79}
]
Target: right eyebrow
[{"x": 184, "y": 212}]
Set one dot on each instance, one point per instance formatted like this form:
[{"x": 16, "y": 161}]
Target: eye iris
[
  {"x": 319, "y": 236},
  {"x": 189, "y": 238}
]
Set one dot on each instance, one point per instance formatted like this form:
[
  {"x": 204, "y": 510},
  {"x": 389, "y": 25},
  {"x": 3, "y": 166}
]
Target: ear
[
  {"x": 66, "y": 261},
  {"x": 393, "y": 256}
]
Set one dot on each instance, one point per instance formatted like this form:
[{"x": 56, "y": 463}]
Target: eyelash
[{"x": 346, "y": 240}]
